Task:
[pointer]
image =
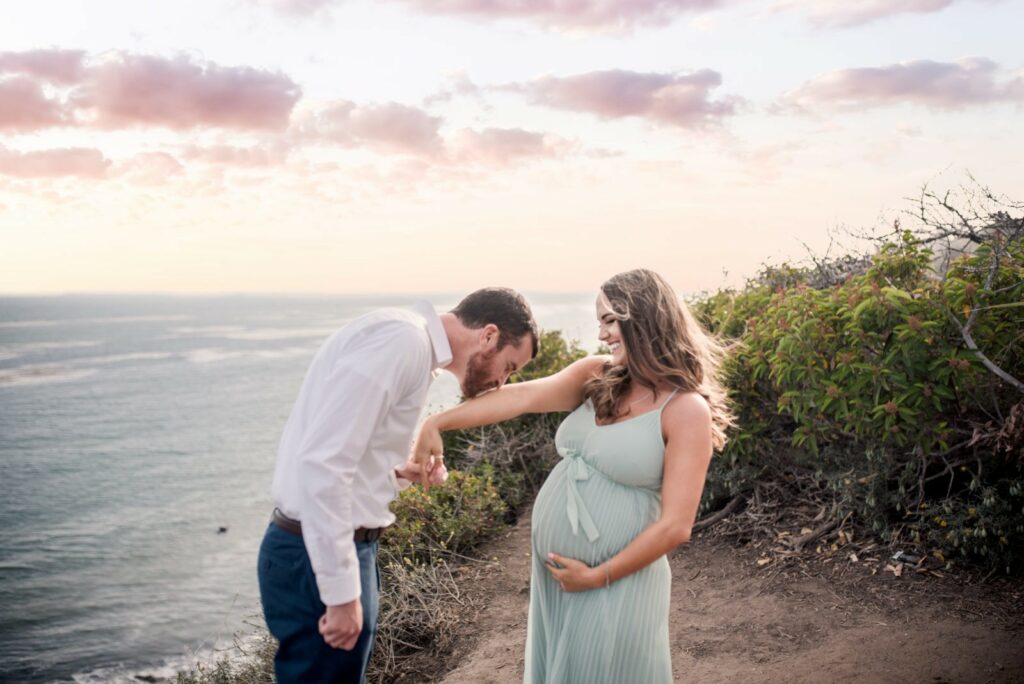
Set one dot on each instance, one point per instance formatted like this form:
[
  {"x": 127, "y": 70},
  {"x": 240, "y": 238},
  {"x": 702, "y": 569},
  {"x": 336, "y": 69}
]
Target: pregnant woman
[{"x": 635, "y": 451}]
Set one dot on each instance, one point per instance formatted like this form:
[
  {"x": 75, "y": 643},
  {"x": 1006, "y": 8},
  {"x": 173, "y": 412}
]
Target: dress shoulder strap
[{"x": 665, "y": 403}]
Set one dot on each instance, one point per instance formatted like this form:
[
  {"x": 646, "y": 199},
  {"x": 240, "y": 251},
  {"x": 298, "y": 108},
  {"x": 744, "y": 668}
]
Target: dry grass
[{"x": 421, "y": 607}]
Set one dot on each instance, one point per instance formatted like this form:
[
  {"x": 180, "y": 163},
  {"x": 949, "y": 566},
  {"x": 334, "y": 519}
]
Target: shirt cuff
[
  {"x": 400, "y": 483},
  {"x": 338, "y": 589}
]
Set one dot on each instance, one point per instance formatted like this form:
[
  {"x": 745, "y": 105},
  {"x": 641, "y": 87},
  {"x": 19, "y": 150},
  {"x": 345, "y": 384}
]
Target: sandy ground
[{"x": 734, "y": 620}]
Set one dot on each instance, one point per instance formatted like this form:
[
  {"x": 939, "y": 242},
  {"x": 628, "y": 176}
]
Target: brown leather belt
[{"x": 293, "y": 526}]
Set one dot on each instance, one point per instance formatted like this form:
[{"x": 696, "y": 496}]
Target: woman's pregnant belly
[{"x": 620, "y": 513}]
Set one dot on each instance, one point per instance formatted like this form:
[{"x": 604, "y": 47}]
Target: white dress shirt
[{"x": 351, "y": 424}]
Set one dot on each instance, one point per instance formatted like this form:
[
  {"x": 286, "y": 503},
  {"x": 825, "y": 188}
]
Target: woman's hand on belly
[{"x": 573, "y": 575}]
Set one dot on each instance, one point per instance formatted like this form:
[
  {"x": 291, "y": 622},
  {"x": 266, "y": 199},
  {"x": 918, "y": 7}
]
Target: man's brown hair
[{"x": 505, "y": 308}]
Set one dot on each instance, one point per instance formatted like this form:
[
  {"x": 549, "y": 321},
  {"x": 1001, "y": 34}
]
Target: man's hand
[
  {"x": 410, "y": 470},
  {"x": 340, "y": 625},
  {"x": 428, "y": 452}
]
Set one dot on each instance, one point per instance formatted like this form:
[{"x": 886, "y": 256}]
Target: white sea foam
[
  {"x": 234, "y": 651},
  {"x": 234, "y": 332},
  {"x": 22, "y": 348},
  {"x": 102, "y": 319},
  {"x": 16, "y": 350},
  {"x": 286, "y": 353},
  {"x": 281, "y": 333},
  {"x": 39, "y": 374},
  {"x": 134, "y": 319},
  {"x": 203, "y": 330},
  {"x": 26, "y": 324},
  {"x": 213, "y": 355},
  {"x": 137, "y": 356}
]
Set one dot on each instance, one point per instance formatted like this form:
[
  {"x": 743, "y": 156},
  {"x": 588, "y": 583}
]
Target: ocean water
[{"x": 134, "y": 428}]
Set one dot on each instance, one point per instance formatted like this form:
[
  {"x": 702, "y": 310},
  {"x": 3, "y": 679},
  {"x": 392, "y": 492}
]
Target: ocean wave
[
  {"x": 136, "y": 356},
  {"x": 233, "y": 332},
  {"x": 14, "y": 350},
  {"x": 74, "y": 369},
  {"x": 40, "y": 374},
  {"x": 213, "y": 355},
  {"x": 155, "y": 318},
  {"x": 282, "y": 333},
  {"x": 234, "y": 651},
  {"x": 102, "y": 319},
  {"x": 26, "y": 324},
  {"x": 203, "y": 330}
]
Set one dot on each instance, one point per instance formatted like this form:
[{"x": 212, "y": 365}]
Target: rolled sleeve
[
  {"x": 400, "y": 483},
  {"x": 334, "y": 443}
]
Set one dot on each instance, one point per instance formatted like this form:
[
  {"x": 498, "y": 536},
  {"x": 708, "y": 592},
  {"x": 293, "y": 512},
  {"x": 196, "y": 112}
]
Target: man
[{"x": 343, "y": 450}]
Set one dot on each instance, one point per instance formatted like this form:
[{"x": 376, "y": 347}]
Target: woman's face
[{"x": 609, "y": 331}]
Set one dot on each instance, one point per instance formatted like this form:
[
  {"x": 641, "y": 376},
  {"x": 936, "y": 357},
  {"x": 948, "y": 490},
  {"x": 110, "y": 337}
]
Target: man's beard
[{"x": 478, "y": 374}]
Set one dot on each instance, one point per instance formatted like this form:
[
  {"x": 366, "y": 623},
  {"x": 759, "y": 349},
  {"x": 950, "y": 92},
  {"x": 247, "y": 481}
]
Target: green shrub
[
  {"x": 868, "y": 385},
  {"x": 453, "y": 518}
]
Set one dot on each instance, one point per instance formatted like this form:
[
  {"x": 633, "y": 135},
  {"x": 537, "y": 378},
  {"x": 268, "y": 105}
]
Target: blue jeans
[{"x": 292, "y": 608}]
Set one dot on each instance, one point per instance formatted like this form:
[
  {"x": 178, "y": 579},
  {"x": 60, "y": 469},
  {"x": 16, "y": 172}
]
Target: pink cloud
[
  {"x": 233, "y": 155},
  {"x": 70, "y": 161},
  {"x": 459, "y": 86},
  {"x": 298, "y": 7},
  {"x": 678, "y": 100},
  {"x": 150, "y": 168},
  {"x": 574, "y": 14},
  {"x": 768, "y": 162},
  {"x": 845, "y": 13},
  {"x": 503, "y": 146},
  {"x": 24, "y": 106},
  {"x": 391, "y": 127},
  {"x": 53, "y": 66},
  {"x": 602, "y": 15},
  {"x": 132, "y": 90},
  {"x": 937, "y": 85},
  {"x": 125, "y": 90},
  {"x": 410, "y": 131}
]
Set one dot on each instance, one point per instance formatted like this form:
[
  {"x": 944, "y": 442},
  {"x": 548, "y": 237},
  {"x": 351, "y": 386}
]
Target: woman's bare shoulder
[{"x": 686, "y": 408}]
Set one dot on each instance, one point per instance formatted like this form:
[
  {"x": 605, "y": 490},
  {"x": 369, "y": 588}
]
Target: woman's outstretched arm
[{"x": 562, "y": 391}]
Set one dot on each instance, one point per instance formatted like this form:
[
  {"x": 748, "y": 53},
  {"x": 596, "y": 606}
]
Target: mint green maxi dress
[{"x": 600, "y": 496}]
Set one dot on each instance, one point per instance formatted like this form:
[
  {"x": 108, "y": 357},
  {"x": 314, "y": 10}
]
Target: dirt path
[{"x": 733, "y": 620}]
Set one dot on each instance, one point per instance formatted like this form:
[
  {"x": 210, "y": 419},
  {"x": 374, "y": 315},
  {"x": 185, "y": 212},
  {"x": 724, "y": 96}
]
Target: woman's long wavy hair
[{"x": 664, "y": 345}]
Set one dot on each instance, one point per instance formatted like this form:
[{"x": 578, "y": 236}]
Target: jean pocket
[{"x": 282, "y": 561}]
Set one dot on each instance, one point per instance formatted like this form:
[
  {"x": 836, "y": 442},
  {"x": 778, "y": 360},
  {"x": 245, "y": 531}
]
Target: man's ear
[{"x": 489, "y": 335}]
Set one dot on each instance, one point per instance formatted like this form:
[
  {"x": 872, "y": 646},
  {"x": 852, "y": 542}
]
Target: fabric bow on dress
[{"x": 578, "y": 470}]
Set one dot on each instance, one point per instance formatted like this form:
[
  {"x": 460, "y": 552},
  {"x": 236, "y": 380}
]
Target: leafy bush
[
  {"x": 870, "y": 385},
  {"x": 452, "y": 519}
]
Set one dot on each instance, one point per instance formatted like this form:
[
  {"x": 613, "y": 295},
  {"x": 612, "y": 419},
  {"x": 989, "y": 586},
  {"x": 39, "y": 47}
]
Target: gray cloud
[
  {"x": 682, "y": 100},
  {"x": 937, "y": 85}
]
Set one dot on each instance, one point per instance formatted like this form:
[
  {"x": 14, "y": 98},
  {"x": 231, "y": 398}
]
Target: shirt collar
[{"x": 438, "y": 337}]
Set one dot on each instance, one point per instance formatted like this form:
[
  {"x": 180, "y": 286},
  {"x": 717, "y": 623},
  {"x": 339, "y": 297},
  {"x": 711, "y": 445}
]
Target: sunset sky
[{"x": 207, "y": 146}]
